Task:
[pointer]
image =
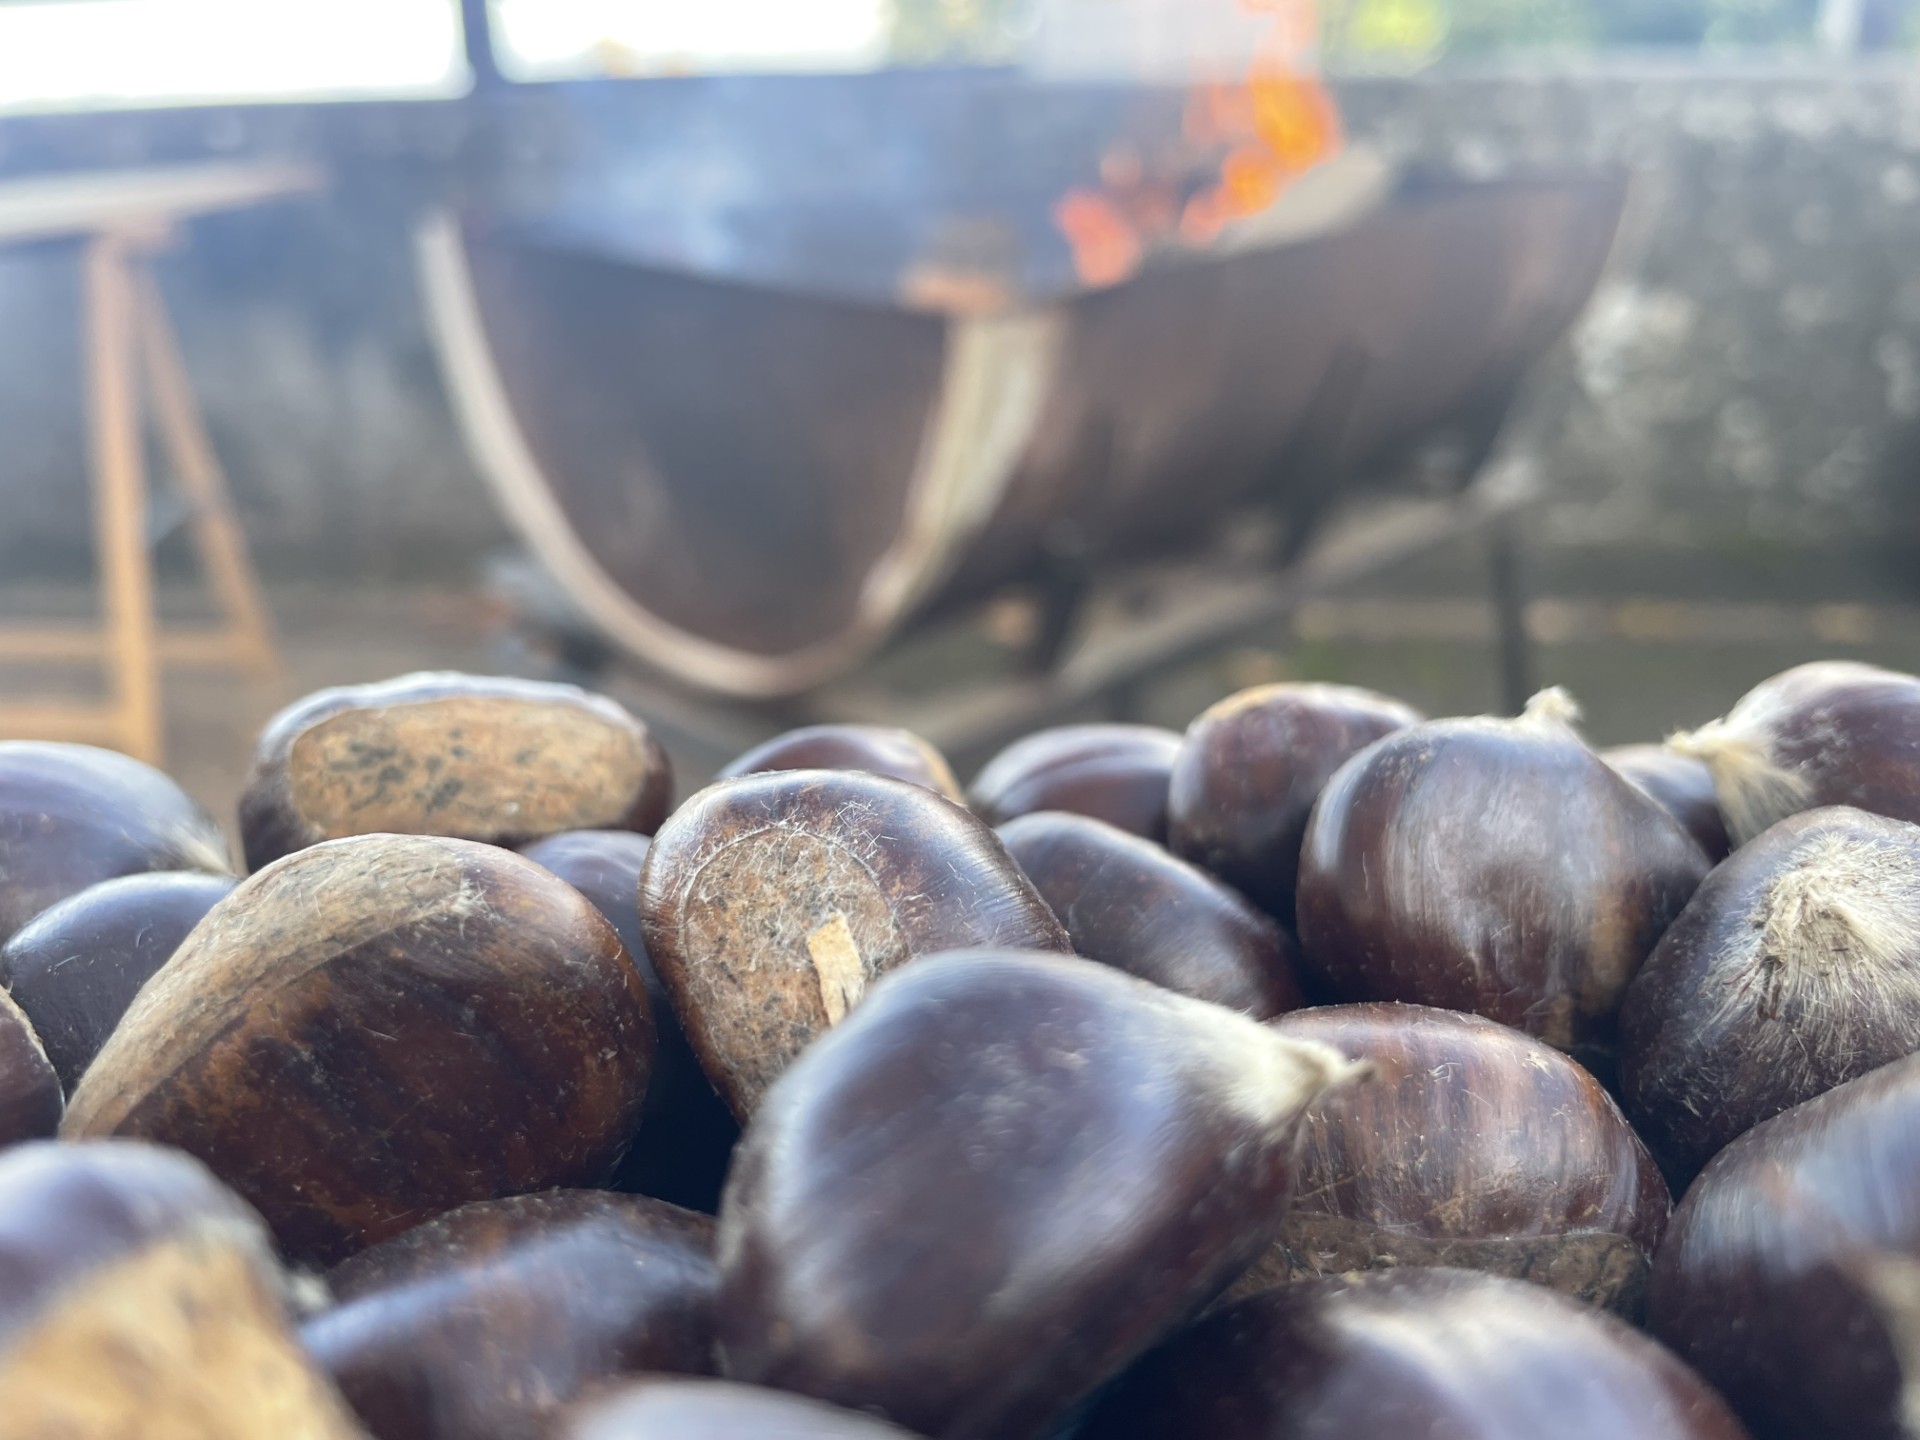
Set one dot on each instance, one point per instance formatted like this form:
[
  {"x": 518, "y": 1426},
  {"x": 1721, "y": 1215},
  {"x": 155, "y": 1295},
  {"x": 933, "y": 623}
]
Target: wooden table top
[{"x": 103, "y": 201}]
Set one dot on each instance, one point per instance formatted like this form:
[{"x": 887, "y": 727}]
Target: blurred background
[{"x": 1672, "y": 430}]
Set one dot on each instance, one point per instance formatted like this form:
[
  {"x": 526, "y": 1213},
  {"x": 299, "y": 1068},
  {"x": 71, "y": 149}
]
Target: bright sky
[{"x": 538, "y": 38}]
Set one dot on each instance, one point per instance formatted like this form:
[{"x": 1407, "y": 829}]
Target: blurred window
[{"x": 569, "y": 39}]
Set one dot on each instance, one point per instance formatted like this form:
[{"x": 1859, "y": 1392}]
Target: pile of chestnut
[{"x": 1325, "y": 1071}]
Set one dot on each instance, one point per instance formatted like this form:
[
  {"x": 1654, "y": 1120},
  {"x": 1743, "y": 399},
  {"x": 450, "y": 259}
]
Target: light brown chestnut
[
  {"x": 1412, "y": 1355},
  {"x": 143, "y": 1299},
  {"x": 1830, "y": 733},
  {"x": 1115, "y": 773},
  {"x": 1497, "y": 866},
  {"x": 1681, "y": 785},
  {"x": 1249, "y": 771},
  {"x": 72, "y": 816},
  {"x": 771, "y": 902},
  {"x": 1474, "y": 1146},
  {"x": 880, "y": 749},
  {"x": 483, "y": 1323},
  {"x": 1000, "y": 1180},
  {"x": 668, "y": 1409},
  {"x": 376, "y": 1030},
  {"x": 1129, "y": 904},
  {"x": 1794, "y": 968},
  {"x": 472, "y": 757}
]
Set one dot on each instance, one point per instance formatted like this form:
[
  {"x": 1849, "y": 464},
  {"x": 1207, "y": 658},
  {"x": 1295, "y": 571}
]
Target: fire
[{"x": 1269, "y": 129}]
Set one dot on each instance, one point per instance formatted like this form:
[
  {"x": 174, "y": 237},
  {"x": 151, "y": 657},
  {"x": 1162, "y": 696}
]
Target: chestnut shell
[
  {"x": 878, "y": 749},
  {"x": 31, "y": 1098},
  {"x": 667, "y": 1409},
  {"x": 1115, "y": 773},
  {"x": 1682, "y": 786}
]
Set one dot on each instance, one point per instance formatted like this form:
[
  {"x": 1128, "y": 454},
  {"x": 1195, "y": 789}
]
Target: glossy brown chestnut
[
  {"x": 1790, "y": 1277},
  {"x": 1794, "y": 968},
  {"x": 482, "y": 1324},
  {"x": 1000, "y": 1180},
  {"x": 1115, "y": 773},
  {"x": 376, "y": 1030},
  {"x": 1249, "y": 771},
  {"x": 72, "y": 816},
  {"x": 771, "y": 902},
  {"x": 1412, "y": 1355},
  {"x": 1497, "y": 866},
  {"x": 1129, "y": 904},
  {"x": 143, "y": 1299},
  {"x": 467, "y": 756},
  {"x": 1830, "y": 733},
  {"x": 77, "y": 965},
  {"x": 31, "y": 1097},
  {"x": 879, "y": 749},
  {"x": 1682, "y": 786},
  {"x": 1474, "y": 1146},
  {"x": 713, "y": 1410},
  {"x": 686, "y": 1133}
]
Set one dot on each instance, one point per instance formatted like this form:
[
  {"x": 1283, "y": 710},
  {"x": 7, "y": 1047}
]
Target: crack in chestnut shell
[
  {"x": 1680, "y": 785},
  {"x": 1249, "y": 771},
  {"x": 747, "y": 878},
  {"x": 1790, "y": 1277},
  {"x": 1115, "y": 773},
  {"x": 686, "y": 1133},
  {"x": 713, "y": 1410},
  {"x": 1794, "y": 968},
  {"x": 143, "y": 1298},
  {"x": 877, "y": 749},
  {"x": 376, "y": 1030},
  {"x": 1127, "y": 903},
  {"x": 1493, "y": 866},
  {"x": 72, "y": 816},
  {"x": 466, "y": 756},
  {"x": 558, "y": 1292},
  {"x": 31, "y": 1098},
  {"x": 997, "y": 1183},
  {"x": 1475, "y": 1147},
  {"x": 77, "y": 965},
  {"x": 1411, "y": 1355}
]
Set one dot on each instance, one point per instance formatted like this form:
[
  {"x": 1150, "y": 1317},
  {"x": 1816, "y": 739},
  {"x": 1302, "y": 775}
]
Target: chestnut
[
  {"x": 997, "y": 1182},
  {"x": 1497, "y": 866},
  {"x": 1249, "y": 771},
  {"x": 142, "y": 1298},
  {"x": 77, "y": 965},
  {"x": 1127, "y": 903},
  {"x": 375, "y": 1030},
  {"x": 1476, "y": 1147},
  {"x": 483, "y": 1323},
  {"x": 1115, "y": 773},
  {"x": 467, "y": 756},
  {"x": 72, "y": 816},
  {"x": 1680, "y": 785},
  {"x": 1794, "y": 968},
  {"x": 1831, "y": 733},
  {"x": 668, "y": 1409},
  {"x": 686, "y": 1133},
  {"x": 880, "y": 749},
  {"x": 31, "y": 1098},
  {"x": 1412, "y": 1355},
  {"x": 1790, "y": 1276},
  {"x": 771, "y": 902}
]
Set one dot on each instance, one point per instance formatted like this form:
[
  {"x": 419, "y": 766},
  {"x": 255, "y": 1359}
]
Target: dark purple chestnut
[
  {"x": 770, "y": 903},
  {"x": 1249, "y": 771},
  {"x": 686, "y": 1133},
  {"x": 77, "y": 965},
  {"x": 31, "y": 1098},
  {"x": 1412, "y": 1355},
  {"x": 72, "y": 816},
  {"x": 665, "y": 1409},
  {"x": 143, "y": 1298},
  {"x": 1790, "y": 1276},
  {"x": 482, "y": 1324},
  {"x": 467, "y": 756},
  {"x": 1115, "y": 773},
  {"x": 1794, "y": 968},
  {"x": 997, "y": 1182},
  {"x": 878, "y": 749},
  {"x": 1129, "y": 904},
  {"x": 1497, "y": 866},
  {"x": 376, "y": 1030},
  {"x": 1474, "y": 1146},
  {"x": 1682, "y": 786},
  {"x": 1831, "y": 733}
]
